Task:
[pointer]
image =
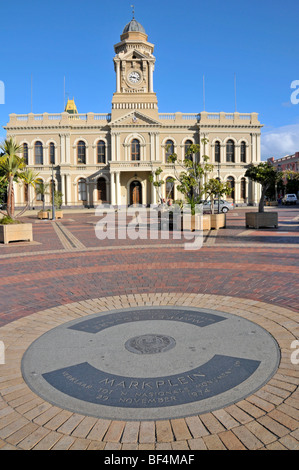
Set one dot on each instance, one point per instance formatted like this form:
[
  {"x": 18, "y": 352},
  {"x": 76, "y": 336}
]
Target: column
[
  {"x": 258, "y": 148},
  {"x": 46, "y": 155},
  {"x": 68, "y": 190},
  {"x": 253, "y": 147},
  {"x": 117, "y": 146},
  {"x": 68, "y": 149},
  {"x": 62, "y": 178},
  {"x": 112, "y": 188},
  {"x": 118, "y": 76},
  {"x": 113, "y": 156},
  {"x": 151, "y": 151},
  {"x": 118, "y": 191},
  {"x": 62, "y": 148},
  {"x": 237, "y": 153},
  {"x": 30, "y": 155},
  {"x": 150, "y": 78},
  {"x": 157, "y": 146},
  {"x": 222, "y": 153},
  {"x": 237, "y": 191}
]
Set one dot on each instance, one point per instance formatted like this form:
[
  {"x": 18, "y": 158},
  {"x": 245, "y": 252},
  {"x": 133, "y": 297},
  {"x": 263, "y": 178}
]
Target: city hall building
[{"x": 108, "y": 157}]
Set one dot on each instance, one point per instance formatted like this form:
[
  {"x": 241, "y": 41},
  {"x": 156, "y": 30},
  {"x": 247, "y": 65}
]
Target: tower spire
[{"x": 133, "y": 11}]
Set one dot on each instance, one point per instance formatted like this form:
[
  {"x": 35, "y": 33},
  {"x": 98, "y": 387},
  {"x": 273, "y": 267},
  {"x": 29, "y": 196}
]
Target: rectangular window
[{"x": 52, "y": 154}]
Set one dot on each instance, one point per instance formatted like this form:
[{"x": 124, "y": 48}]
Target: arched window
[
  {"x": 38, "y": 153},
  {"x": 39, "y": 190},
  {"x": 101, "y": 187},
  {"x": 231, "y": 181},
  {"x": 169, "y": 149},
  {"x": 101, "y": 152},
  {"x": 230, "y": 151},
  {"x": 52, "y": 153},
  {"x": 243, "y": 152},
  {"x": 25, "y": 153},
  {"x": 217, "y": 152},
  {"x": 186, "y": 148},
  {"x": 81, "y": 152},
  {"x": 82, "y": 194},
  {"x": 135, "y": 149},
  {"x": 169, "y": 187},
  {"x": 243, "y": 188}
]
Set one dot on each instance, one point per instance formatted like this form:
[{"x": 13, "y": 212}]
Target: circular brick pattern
[
  {"x": 265, "y": 419},
  {"x": 214, "y": 359}
]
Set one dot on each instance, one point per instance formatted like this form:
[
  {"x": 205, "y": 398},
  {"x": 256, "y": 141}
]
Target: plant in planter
[
  {"x": 58, "y": 203},
  {"x": 216, "y": 189},
  {"x": 42, "y": 189},
  {"x": 13, "y": 170},
  {"x": 265, "y": 174},
  {"x": 190, "y": 175}
]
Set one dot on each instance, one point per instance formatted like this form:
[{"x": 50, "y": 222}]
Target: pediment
[
  {"x": 134, "y": 52},
  {"x": 135, "y": 118}
]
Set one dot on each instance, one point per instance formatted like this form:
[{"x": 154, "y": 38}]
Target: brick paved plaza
[{"x": 66, "y": 273}]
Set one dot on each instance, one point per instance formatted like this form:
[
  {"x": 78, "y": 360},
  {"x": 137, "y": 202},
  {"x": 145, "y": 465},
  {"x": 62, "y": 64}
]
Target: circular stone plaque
[{"x": 150, "y": 362}]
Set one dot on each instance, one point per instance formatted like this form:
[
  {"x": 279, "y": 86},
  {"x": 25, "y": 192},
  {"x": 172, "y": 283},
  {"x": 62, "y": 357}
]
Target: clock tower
[{"x": 134, "y": 64}]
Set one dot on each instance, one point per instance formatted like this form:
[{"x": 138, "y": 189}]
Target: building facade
[{"x": 108, "y": 157}]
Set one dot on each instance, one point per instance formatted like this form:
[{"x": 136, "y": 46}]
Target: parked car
[
  {"x": 289, "y": 199},
  {"x": 224, "y": 206}
]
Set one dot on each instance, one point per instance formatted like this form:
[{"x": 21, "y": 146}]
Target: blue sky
[{"x": 255, "y": 39}]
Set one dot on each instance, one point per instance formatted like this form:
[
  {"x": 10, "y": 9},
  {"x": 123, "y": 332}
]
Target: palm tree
[
  {"x": 11, "y": 166},
  {"x": 42, "y": 189},
  {"x": 29, "y": 178}
]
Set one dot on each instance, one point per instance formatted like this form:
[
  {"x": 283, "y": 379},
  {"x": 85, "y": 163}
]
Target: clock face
[{"x": 134, "y": 77}]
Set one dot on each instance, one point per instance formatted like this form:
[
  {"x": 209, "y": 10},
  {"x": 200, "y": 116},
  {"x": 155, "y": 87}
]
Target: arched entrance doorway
[{"x": 135, "y": 192}]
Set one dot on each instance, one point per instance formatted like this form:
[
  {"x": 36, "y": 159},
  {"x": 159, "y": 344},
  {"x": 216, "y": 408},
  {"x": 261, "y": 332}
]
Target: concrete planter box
[
  {"x": 15, "y": 233},
  {"x": 218, "y": 221},
  {"x": 58, "y": 214},
  {"x": 206, "y": 222},
  {"x": 195, "y": 222},
  {"x": 198, "y": 222},
  {"x": 43, "y": 214},
  {"x": 261, "y": 219}
]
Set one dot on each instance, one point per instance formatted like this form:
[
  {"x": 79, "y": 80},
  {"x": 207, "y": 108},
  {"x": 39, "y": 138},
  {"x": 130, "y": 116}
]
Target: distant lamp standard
[
  {"x": 218, "y": 193},
  {"x": 53, "y": 205}
]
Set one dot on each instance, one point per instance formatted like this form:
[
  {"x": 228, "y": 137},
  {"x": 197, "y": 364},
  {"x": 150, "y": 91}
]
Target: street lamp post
[
  {"x": 53, "y": 205},
  {"x": 218, "y": 193}
]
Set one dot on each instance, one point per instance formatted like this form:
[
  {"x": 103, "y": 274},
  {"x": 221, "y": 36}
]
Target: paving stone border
[{"x": 267, "y": 419}]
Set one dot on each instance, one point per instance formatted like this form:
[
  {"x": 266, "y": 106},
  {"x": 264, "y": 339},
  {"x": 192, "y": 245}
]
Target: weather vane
[{"x": 132, "y": 6}]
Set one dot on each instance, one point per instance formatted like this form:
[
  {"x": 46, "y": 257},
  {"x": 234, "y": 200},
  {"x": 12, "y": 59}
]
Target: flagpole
[
  {"x": 235, "y": 85},
  {"x": 203, "y": 91}
]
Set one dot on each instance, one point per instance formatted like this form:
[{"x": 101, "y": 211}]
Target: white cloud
[{"x": 280, "y": 141}]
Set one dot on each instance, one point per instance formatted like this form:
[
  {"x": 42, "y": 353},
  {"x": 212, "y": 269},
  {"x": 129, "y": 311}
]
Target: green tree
[
  {"x": 11, "y": 167},
  {"x": 192, "y": 174},
  {"x": 42, "y": 189},
  {"x": 265, "y": 174},
  {"x": 58, "y": 199},
  {"x": 30, "y": 179},
  {"x": 214, "y": 189},
  {"x": 292, "y": 183},
  {"x": 157, "y": 183}
]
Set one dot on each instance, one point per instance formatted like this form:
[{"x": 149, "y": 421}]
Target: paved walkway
[{"x": 67, "y": 273}]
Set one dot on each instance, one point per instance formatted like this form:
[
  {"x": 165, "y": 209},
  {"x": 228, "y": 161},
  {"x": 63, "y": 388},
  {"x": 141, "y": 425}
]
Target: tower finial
[{"x": 133, "y": 11}]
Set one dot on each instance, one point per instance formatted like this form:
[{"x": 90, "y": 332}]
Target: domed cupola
[
  {"x": 134, "y": 26},
  {"x": 134, "y": 30}
]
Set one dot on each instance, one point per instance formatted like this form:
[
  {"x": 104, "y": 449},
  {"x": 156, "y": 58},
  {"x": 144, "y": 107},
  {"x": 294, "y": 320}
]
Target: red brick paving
[{"x": 260, "y": 266}]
